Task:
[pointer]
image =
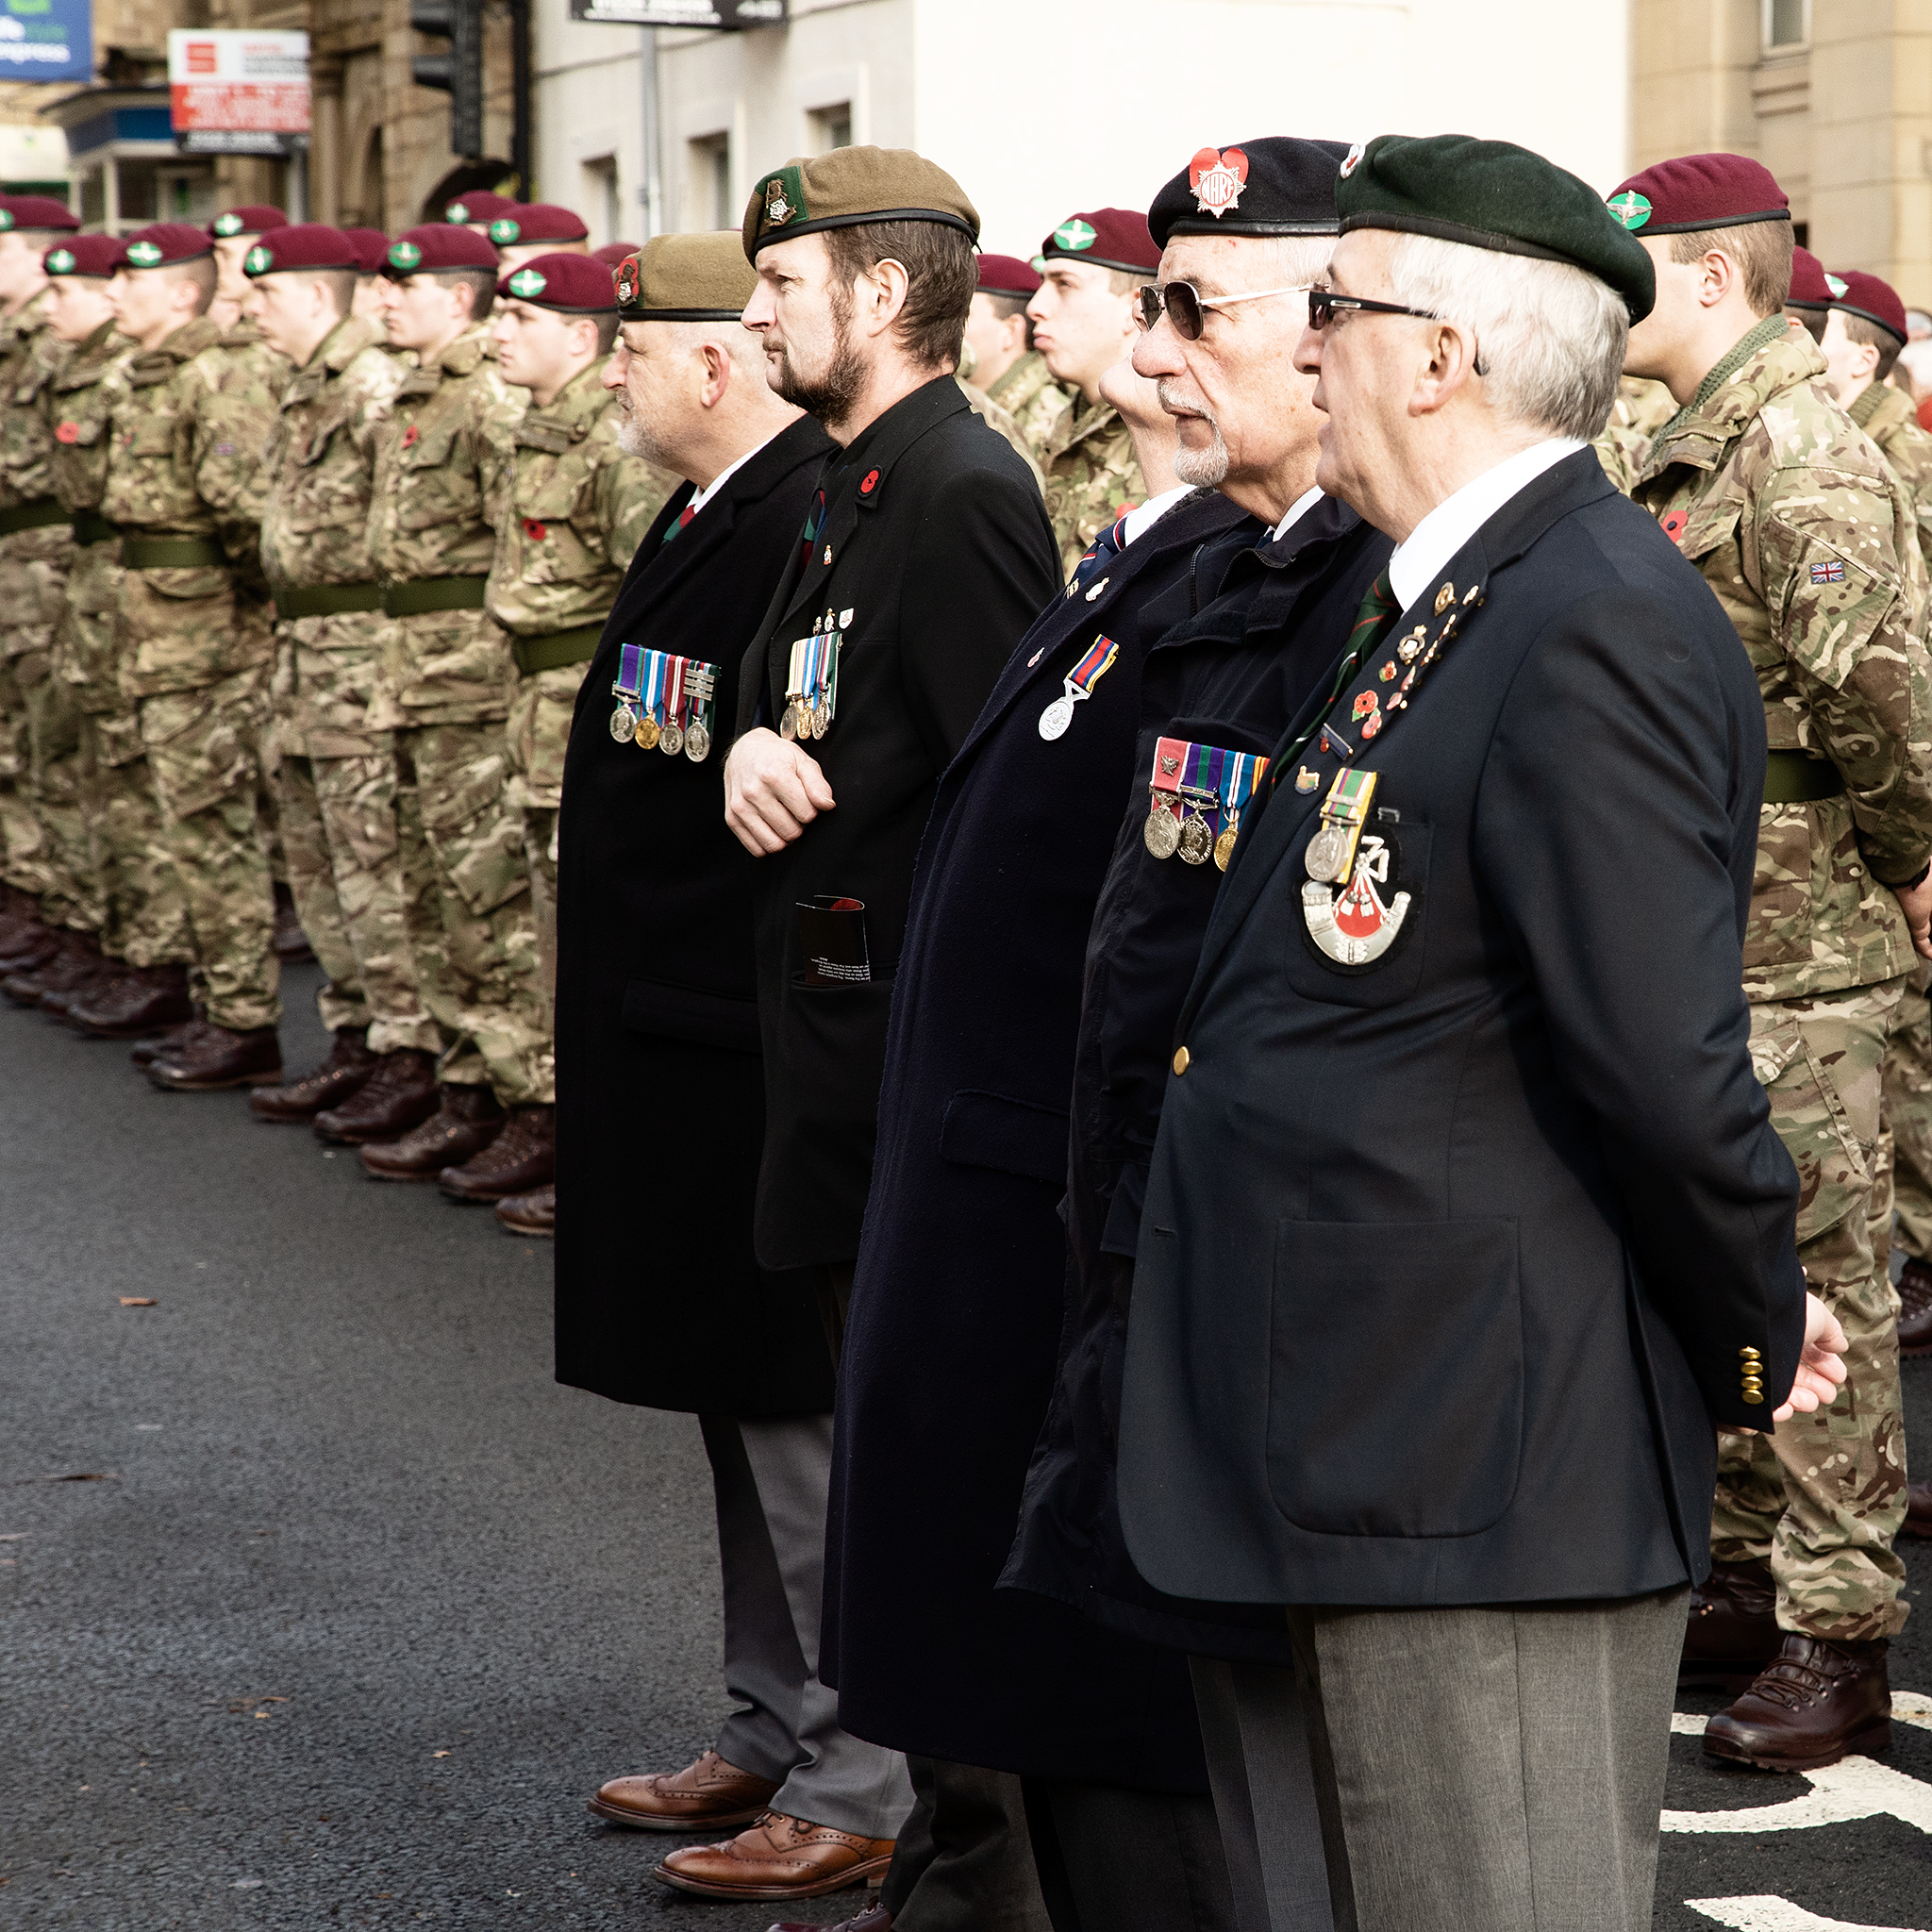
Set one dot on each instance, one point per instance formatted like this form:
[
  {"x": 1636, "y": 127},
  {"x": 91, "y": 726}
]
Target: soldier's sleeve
[
  {"x": 231, "y": 427},
  {"x": 627, "y": 495}
]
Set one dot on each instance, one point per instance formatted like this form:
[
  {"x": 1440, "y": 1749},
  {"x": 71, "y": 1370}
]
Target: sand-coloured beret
[
  {"x": 685, "y": 279},
  {"x": 852, "y": 185},
  {"x": 1279, "y": 185},
  {"x": 571, "y": 284},
  {"x": 85, "y": 255},
  {"x": 435, "y": 247},
  {"x": 303, "y": 245},
  {"x": 161, "y": 244},
  {"x": 36, "y": 211},
  {"x": 1108, "y": 238},
  {"x": 1698, "y": 192}
]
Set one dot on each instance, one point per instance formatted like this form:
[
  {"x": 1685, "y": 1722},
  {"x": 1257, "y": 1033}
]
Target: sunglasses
[
  {"x": 1324, "y": 304},
  {"x": 1185, "y": 306}
]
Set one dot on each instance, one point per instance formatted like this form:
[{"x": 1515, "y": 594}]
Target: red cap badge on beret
[{"x": 1217, "y": 176}]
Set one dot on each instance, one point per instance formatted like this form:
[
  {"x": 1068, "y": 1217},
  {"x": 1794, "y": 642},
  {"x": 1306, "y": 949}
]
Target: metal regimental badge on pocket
[{"x": 1355, "y": 924}]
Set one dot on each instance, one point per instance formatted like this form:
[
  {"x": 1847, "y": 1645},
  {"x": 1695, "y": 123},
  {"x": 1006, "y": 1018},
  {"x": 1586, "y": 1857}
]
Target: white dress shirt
[
  {"x": 701, "y": 497},
  {"x": 1297, "y": 511},
  {"x": 1151, "y": 511}
]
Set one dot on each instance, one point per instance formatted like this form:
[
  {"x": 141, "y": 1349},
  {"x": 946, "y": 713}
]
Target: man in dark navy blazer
[{"x": 1466, "y": 1221}]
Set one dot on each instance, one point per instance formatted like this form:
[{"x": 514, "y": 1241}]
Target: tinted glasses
[
  {"x": 1324, "y": 303},
  {"x": 1185, "y": 306}
]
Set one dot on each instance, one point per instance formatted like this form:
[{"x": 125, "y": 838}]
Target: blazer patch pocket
[{"x": 1009, "y": 1135}]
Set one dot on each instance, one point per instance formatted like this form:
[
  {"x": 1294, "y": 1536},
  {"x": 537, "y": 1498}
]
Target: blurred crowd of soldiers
[{"x": 307, "y": 537}]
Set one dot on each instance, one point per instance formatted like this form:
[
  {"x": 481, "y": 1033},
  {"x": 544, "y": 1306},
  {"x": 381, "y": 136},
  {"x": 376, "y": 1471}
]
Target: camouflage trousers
[
  {"x": 1909, "y": 1114},
  {"x": 144, "y": 913},
  {"x": 472, "y": 929},
  {"x": 73, "y": 895},
  {"x": 22, "y": 845},
  {"x": 1824, "y": 1495},
  {"x": 204, "y": 750},
  {"x": 538, "y": 734},
  {"x": 33, "y": 577}
]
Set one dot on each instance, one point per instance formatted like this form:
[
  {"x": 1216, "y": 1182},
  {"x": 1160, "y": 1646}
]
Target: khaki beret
[
  {"x": 851, "y": 184},
  {"x": 685, "y": 279}
]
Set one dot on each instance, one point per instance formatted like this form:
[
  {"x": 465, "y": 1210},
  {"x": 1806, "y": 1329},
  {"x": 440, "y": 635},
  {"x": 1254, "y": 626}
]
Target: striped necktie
[
  {"x": 684, "y": 516},
  {"x": 1378, "y": 613}
]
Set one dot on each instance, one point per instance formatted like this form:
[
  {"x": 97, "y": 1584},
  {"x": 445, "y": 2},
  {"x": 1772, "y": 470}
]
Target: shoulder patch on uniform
[{"x": 1832, "y": 572}]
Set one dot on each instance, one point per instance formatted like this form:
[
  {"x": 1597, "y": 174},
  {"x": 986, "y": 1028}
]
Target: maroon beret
[
  {"x": 1107, "y": 237},
  {"x": 308, "y": 244},
  {"x": 480, "y": 206},
  {"x": 255, "y": 219},
  {"x": 36, "y": 212},
  {"x": 1697, "y": 192},
  {"x": 372, "y": 247},
  {"x": 1810, "y": 290},
  {"x": 434, "y": 246},
  {"x": 1858, "y": 294},
  {"x": 1006, "y": 274},
  {"x": 85, "y": 255},
  {"x": 571, "y": 284},
  {"x": 613, "y": 251},
  {"x": 161, "y": 244},
  {"x": 537, "y": 220}
]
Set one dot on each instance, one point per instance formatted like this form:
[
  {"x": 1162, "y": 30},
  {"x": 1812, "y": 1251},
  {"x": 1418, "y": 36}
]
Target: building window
[
  {"x": 831, "y": 127},
  {"x": 709, "y": 189},
  {"x": 1787, "y": 24},
  {"x": 600, "y": 192}
]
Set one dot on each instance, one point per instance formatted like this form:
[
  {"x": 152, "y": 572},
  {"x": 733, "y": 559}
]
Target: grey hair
[{"x": 1550, "y": 335}]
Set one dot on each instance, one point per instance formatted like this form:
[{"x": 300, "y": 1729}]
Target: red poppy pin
[
  {"x": 866, "y": 488},
  {"x": 68, "y": 432},
  {"x": 1672, "y": 524},
  {"x": 412, "y": 436},
  {"x": 535, "y": 531}
]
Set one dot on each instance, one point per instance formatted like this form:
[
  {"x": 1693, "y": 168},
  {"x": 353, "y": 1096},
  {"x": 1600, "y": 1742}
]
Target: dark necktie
[
  {"x": 684, "y": 516},
  {"x": 1378, "y": 613},
  {"x": 1101, "y": 553}
]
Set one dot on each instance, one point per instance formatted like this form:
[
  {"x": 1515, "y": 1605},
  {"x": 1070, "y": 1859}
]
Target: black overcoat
[
  {"x": 928, "y": 546},
  {"x": 1448, "y": 1258},
  {"x": 1232, "y": 673},
  {"x": 660, "y": 1081},
  {"x": 956, "y": 1308}
]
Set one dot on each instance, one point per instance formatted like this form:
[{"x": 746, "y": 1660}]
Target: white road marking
[
  {"x": 1767, "y": 1914},
  {"x": 1852, "y": 1788}
]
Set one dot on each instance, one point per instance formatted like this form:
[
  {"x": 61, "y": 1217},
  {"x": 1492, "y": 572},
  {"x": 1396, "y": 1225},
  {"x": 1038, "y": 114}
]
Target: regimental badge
[
  {"x": 228, "y": 224},
  {"x": 778, "y": 207},
  {"x": 503, "y": 231},
  {"x": 258, "y": 261},
  {"x": 1631, "y": 209},
  {"x": 6, "y": 219},
  {"x": 1355, "y": 927},
  {"x": 1835, "y": 284},
  {"x": 145, "y": 253},
  {"x": 1217, "y": 179},
  {"x": 60, "y": 262},
  {"x": 1353, "y": 158},
  {"x": 1305, "y": 781},
  {"x": 1075, "y": 236},
  {"x": 627, "y": 272},
  {"x": 457, "y": 214},
  {"x": 528, "y": 282},
  {"x": 402, "y": 255}
]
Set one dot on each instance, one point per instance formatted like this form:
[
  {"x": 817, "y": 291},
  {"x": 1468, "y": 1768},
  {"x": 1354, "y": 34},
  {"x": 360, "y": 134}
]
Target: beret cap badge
[
  {"x": 1217, "y": 179},
  {"x": 1353, "y": 159},
  {"x": 144, "y": 254},
  {"x": 60, "y": 262},
  {"x": 503, "y": 231},
  {"x": 1074, "y": 235},
  {"x": 457, "y": 213},
  {"x": 779, "y": 210},
  {"x": 1631, "y": 209},
  {"x": 403, "y": 255},
  {"x": 1837, "y": 284},
  {"x": 627, "y": 281},
  {"x": 228, "y": 224},
  {"x": 527, "y": 281},
  {"x": 258, "y": 261},
  {"x": 6, "y": 219}
]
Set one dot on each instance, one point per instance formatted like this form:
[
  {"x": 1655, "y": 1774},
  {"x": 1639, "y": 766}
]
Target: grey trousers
[
  {"x": 771, "y": 1479},
  {"x": 1440, "y": 1769}
]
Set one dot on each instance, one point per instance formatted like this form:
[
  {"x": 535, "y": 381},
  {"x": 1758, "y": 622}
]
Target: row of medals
[
  {"x": 1164, "y": 835},
  {"x": 803, "y": 721},
  {"x": 692, "y": 739}
]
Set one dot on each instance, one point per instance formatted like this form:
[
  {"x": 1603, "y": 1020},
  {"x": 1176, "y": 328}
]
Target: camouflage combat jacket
[
  {"x": 1888, "y": 417},
  {"x": 436, "y": 463},
  {"x": 1092, "y": 476},
  {"x": 34, "y": 555},
  {"x": 75, "y": 402},
  {"x": 1789, "y": 513},
  {"x": 24, "y": 434},
  {"x": 1033, "y": 399},
  {"x": 1642, "y": 409},
  {"x": 571, "y": 510}
]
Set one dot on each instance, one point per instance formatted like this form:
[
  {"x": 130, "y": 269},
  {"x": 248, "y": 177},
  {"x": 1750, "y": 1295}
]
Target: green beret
[
  {"x": 851, "y": 184},
  {"x": 685, "y": 279},
  {"x": 1491, "y": 194}
]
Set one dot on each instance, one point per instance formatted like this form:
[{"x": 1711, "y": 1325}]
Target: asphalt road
[{"x": 359, "y": 1606}]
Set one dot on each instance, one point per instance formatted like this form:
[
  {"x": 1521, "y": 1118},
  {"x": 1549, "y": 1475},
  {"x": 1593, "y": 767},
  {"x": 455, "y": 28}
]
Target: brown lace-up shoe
[
  {"x": 145, "y": 999},
  {"x": 709, "y": 1796},
  {"x": 209, "y": 1057},
  {"x": 778, "y": 1857},
  {"x": 521, "y": 1157},
  {"x": 399, "y": 1094},
  {"x": 346, "y": 1071},
  {"x": 465, "y": 1124},
  {"x": 1814, "y": 1702},
  {"x": 1915, "y": 1309},
  {"x": 1918, "y": 1504},
  {"x": 1732, "y": 1632},
  {"x": 873, "y": 1918},
  {"x": 532, "y": 1213}
]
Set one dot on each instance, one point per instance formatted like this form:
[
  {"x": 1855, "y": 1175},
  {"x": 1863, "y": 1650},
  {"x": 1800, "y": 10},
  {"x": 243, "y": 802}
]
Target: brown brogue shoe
[
  {"x": 532, "y": 1213},
  {"x": 1918, "y": 1508},
  {"x": 399, "y": 1094},
  {"x": 145, "y": 999},
  {"x": 1814, "y": 1702},
  {"x": 709, "y": 1796},
  {"x": 779, "y": 1857},
  {"x": 1732, "y": 1632},
  {"x": 873, "y": 1918},
  {"x": 1915, "y": 1309},
  {"x": 521, "y": 1157},
  {"x": 465, "y": 1124},
  {"x": 207, "y": 1058},
  {"x": 346, "y": 1071}
]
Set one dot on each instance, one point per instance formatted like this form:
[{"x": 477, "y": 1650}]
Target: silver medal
[
  {"x": 1196, "y": 841},
  {"x": 671, "y": 740},
  {"x": 1161, "y": 834},
  {"x": 1327, "y": 854},
  {"x": 1056, "y": 718},
  {"x": 697, "y": 745},
  {"x": 624, "y": 724}
]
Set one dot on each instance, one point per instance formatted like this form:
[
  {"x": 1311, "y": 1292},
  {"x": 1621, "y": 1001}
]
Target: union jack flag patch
[{"x": 1832, "y": 572}]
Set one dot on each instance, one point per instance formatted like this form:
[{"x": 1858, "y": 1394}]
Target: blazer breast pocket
[{"x": 1360, "y": 941}]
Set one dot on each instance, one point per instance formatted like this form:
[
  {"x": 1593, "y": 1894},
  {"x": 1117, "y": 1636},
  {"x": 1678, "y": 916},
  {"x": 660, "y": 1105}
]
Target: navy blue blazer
[{"x": 1451, "y": 1244}]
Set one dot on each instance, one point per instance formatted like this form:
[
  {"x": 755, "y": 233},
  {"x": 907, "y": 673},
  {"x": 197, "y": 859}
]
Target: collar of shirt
[
  {"x": 1151, "y": 511},
  {"x": 701, "y": 497},
  {"x": 1457, "y": 518},
  {"x": 1297, "y": 511}
]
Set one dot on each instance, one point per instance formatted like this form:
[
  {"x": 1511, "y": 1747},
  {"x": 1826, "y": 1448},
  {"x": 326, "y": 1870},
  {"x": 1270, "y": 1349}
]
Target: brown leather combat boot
[
  {"x": 709, "y": 1796},
  {"x": 148, "y": 1051},
  {"x": 145, "y": 999},
  {"x": 291, "y": 942},
  {"x": 532, "y": 1213},
  {"x": 521, "y": 1157},
  {"x": 32, "y": 944},
  {"x": 1732, "y": 1632},
  {"x": 71, "y": 962},
  {"x": 207, "y": 1058},
  {"x": 1814, "y": 1704},
  {"x": 1915, "y": 1309},
  {"x": 400, "y": 1094},
  {"x": 96, "y": 975},
  {"x": 465, "y": 1124},
  {"x": 1918, "y": 1509},
  {"x": 344, "y": 1072}
]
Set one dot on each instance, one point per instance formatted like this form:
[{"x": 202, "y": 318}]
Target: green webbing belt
[
  {"x": 328, "y": 599},
  {"x": 559, "y": 648},
  {"x": 170, "y": 553},
  {"x": 1796, "y": 778},
  {"x": 422, "y": 595},
  {"x": 42, "y": 514},
  {"x": 91, "y": 527}
]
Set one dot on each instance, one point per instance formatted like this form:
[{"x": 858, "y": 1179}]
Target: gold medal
[
  {"x": 1162, "y": 833},
  {"x": 788, "y": 724},
  {"x": 646, "y": 739},
  {"x": 1223, "y": 847}
]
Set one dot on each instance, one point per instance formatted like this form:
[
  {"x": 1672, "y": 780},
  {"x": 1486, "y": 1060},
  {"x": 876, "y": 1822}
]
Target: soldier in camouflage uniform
[
  {"x": 569, "y": 507},
  {"x": 1807, "y": 540},
  {"x": 444, "y": 683},
  {"x": 1003, "y": 361},
  {"x": 335, "y": 777},
  {"x": 234, "y": 232},
  {"x": 33, "y": 542},
  {"x": 1083, "y": 320},
  {"x": 143, "y": 935},
  {"x": 189, "y": 420},
  {"x": 1642, "y": 409}
]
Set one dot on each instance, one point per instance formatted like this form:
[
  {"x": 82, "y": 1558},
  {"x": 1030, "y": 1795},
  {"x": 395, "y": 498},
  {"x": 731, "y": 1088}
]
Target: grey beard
[
  {"x": 634, "y": 440},
  {"x": 1203, "y": 469}
]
